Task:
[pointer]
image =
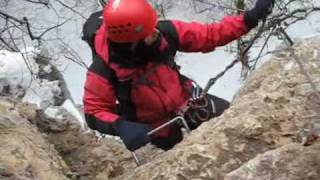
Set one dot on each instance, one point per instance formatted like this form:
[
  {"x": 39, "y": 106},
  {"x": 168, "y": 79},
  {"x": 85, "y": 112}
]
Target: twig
[
  {"x": 53, "y": 27},
  {"x": 13, "y": 41},
  {"x": 7, "y": 45},
  {"x": 77, "y": 62},
  {"x": 7, "y": 16},
  {"x": 219, "y": 6},
  {"x": 32, "y": 37},
  {"x": 39, "y": 2},
  {"x": 76, "y": 58},
  {"x": 70, "y": 8},
  {"x": 261, "y": 50}
]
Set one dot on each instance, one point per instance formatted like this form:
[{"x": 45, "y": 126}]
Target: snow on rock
[
  {"x": 72, "y": 109},
  {"x": 29, "y": 75},
  {"x": 15, "y": 72},
  {"x": 42, "y": 93}
]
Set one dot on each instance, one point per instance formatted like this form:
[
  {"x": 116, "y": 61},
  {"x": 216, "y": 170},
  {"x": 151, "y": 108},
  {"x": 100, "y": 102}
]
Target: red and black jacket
[{"x": 165, "y": 93}]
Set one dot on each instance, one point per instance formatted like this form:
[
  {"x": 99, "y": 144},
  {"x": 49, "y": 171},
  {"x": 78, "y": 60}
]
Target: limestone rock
[
  {"x": 25, "y": 154},
  {"x": 292, "y": 161},
  {"x": 86, "y": 157},
  {"x": 279, "y": 102}
]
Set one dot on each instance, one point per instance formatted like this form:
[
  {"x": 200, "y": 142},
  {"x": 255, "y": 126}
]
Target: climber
[{"x": 133, "y": 84}]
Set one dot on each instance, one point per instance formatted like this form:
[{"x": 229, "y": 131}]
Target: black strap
[
  {"x": 99, "y": 67},
  {"x": 122, "y": 88},
  {"x": 126, "y": 106},
  {"x": 90, "y": 27},
  {"x": 169, "y": 31}
]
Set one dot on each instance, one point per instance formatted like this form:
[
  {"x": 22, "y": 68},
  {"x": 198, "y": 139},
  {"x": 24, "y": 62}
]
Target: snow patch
[
  {"x": 69, "y": 106},
  {"x": 20, "y": 78},
  {"x": 15, "y": 70},
  {"x": 54, "y": 113},
  {"x": 42, "y": 93}
]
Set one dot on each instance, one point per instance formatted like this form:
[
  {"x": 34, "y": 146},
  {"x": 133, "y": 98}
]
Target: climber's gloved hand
[
  {"x": 260, "y": 11},
  {"x": 133, "y": 134}
]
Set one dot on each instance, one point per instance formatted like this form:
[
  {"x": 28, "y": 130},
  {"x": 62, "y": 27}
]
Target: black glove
[
  {"x": 133, "y": 134},
  {"x": 260, "y": 11}
]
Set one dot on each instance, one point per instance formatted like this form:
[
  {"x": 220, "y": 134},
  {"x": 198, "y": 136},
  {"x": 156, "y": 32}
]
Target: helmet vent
[
  {"x": 116, "y": 31},
  {"x": 122, "y": 27},
  {"x": 138, "y": 28},
  {"x": 112, "y": 27}
]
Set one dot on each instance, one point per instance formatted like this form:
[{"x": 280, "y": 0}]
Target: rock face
[
  {"x": 291, "y": 161},
  {"x": 34, "y": 146},
  {"x": 86, "y": 157},
  {"x": 259, "y": 137},
  {"x": 278, "y": 105},
  {"x": 25, "y": 154}
]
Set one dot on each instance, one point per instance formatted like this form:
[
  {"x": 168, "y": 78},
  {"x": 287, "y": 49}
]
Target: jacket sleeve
[
  {"x": 196, "y": 37},
  {"x": 99, "y": 98}
]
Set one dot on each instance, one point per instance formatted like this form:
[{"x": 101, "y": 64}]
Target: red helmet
[{"x": 129, "y": 20}]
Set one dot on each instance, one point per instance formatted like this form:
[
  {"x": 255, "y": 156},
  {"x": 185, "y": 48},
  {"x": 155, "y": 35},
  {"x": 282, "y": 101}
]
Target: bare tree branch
[
  {"x": 15, "y": 29},
  {"x": 275, "y": 26},
  {"x": 43, "y": 2},
  {"x": 32, "y": 37},
  {"x": 261, "y": 50},
  {"x": 7, "y": 16},
  {"x": 216, "y": 5},
  {"x": 70, "y": 8}
]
